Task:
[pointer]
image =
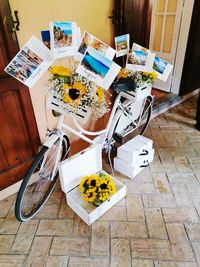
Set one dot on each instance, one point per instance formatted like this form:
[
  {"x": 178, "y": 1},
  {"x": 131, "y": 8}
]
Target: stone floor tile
[
  {"x": 114, "y": 214},
  {"x": 182, "y": 178},
  {"x": 181, "y": 195},
  {"x": 196, "y": 201},
  {"x": 193, "y": 189},
  {"x": 55, "y": 227},
  {"x": 155, "y": 223},
  {"x": 5, "y": 206},
  {"x": 165, "y": 155},
  {"x": 138, "y": 188},
  {"x": 142, "y": 263},
  {"x": 120, "y": 253},
  {"x": 196, "y": 248},
  {"x": 57, "y": 261},
  {"x": 151, "y": 249},
  {"x": 12, "y": 260},
  {"x": 128, "y": 229},
  {"x": 64, "y": 246},
  {"x": 159, "y": 200},
  {"x": 88, "y": 262},
  {"x": 39, "y": 251},
  {"x": 6, "y": 243},
  {"x": 11, "y": 224},
  {"x": 174, "y": 264},
  {"x": 144, "y": 176},
  {"x": 135, "y": 210},
  {"x": 65, "y": 212},
  {"x": 48, "y": 212},
  {"x": 100, "y": 239},
  {"x": 182, "y": 151},
  {"x": 182, "y": 164},
  {"x": 1, "y": 222},
  {"x": 161, "y": 183},
  {"x": 55, "y": 198},
  {"x": 180, "y": 246},
  {"x": 163, "y": 167},
  {"x": 193, "y": 231},
  {"x": 80, "y": 229},
  {"x": 181, "y": 214},
  {"x": 24, "y": 237}
]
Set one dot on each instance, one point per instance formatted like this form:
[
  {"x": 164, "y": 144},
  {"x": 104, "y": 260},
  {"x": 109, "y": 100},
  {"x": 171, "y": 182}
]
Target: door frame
[{"x": 182, "y": 45}]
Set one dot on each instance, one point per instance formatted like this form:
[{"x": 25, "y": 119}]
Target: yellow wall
[{"x": 35, "y": 15}]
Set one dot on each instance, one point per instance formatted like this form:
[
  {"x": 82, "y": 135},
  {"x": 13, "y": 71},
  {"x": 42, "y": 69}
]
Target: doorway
[{"x": 19, "y": 139}]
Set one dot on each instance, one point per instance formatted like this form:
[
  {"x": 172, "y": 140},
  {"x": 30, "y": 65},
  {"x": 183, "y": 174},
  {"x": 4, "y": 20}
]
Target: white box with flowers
[
  {"x": 87, "y": 162},
  {"x": 139, "y": 93}
]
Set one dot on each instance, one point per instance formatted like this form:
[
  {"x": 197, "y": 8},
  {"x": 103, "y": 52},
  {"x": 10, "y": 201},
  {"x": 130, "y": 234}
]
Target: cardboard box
[
  {"x": 72, "y": 170},
  {"x": 132, "y": 170},
  {"x": 134, "y": 149}
]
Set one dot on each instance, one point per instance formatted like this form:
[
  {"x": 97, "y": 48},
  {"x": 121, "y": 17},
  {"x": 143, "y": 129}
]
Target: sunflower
[
  {"x": 90, "y": 196},
  {"x": 100, "y": 94},
  {"x": 74, "y": 93},
  {"x": 59, "y": 71}
]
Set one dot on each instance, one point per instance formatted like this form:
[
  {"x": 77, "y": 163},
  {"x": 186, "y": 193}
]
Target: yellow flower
[
  {"x": 100, "y": 94},
  {"x": 59, "y": 71},
  {"x": 122, "y": 73},
  {"x": 90, "y": 196},
  {"x": 73, "y": 93}
]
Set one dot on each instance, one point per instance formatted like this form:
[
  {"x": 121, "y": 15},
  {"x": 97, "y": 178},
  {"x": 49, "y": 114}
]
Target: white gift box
[
  {"x": 134, "y": 149},
  {"x": 139, "y": 93},
  {"x": 88, "y": 161},
  {"x": 132, "y": 170}
]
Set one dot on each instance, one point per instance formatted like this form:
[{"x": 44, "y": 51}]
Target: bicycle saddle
[{"x": 124, "y": 84}]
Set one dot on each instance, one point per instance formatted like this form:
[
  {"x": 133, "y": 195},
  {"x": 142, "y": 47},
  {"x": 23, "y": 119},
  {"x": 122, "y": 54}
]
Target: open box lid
[{"x": 86, "y": 162}]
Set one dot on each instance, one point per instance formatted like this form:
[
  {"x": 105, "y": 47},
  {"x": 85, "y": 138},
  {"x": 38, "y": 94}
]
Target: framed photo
[
  {"x": 97, "y": 68},
  {"x": 46, "y": 38},
  {"x": 122, "y": 45},
  {"x": 30, "y": 63},
  {"x": 63, "y": 37},
  {"x": 89, "y": 40},
  {"x": 162, "y": 68},
  {"x": 140, "y": 59}
]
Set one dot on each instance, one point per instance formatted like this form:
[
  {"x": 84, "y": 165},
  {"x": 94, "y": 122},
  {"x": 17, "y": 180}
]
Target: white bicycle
[{"x": 127, "y": 116}]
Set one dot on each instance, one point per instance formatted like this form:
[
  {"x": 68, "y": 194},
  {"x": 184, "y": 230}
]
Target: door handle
[{"x": 16, "y": 22}]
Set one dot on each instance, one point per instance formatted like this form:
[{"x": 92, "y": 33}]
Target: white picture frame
[
  {"x": 162, "y": 68},
  {"x": 122, "y": 45}
]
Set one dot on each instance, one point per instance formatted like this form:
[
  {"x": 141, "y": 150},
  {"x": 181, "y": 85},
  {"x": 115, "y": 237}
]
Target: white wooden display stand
[
  {"x": 134, "y": 156},
  {"x": 72, "y": 170},
  {"x": 139, "y": 93}
]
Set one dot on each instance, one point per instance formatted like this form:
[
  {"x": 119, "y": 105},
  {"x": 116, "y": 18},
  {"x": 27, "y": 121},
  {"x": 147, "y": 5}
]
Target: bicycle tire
[
  {"x": 29, "y": 190},
  {"x": 141, "y": 129}
]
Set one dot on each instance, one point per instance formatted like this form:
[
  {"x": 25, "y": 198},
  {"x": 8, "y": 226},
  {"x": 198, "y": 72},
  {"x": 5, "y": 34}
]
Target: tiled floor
[{"x": 158, "y": 224}]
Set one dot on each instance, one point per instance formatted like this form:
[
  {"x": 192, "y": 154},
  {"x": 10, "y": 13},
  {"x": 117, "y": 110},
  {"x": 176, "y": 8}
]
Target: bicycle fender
[{"x": 51, "y": 140}]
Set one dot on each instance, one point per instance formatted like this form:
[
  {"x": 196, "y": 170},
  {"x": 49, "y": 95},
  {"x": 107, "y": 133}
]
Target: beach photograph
[
  {"x": 159, "y": 65},
  {"x": 96, "y": 62},
  {"x": 137, "y": 57},
  {"x": 121, "y": 42},
  {"x": 24, "y": 64},
  {"x": 62, "y": 33},
  {"x": 89, "y": 40}
]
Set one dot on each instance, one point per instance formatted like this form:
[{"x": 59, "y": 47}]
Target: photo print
[
  {"x": 63, "y": 39},
  {"x": 101, "y": 47},
  {"x": 46, "y": 38},
  {"x": 162, "y": 68},
  {"x": 140, "y": 59},
  {"x": 122, "y": 45},
  {"x": 30, "y": 62},
  {"x": 97, "y": 68}
]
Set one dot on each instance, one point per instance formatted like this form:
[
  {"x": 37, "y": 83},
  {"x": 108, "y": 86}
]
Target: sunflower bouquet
[
  {"x": 139, "y": 77},
  {"x": 96, "y": 188},
  {"x": 76, "y": 92}
]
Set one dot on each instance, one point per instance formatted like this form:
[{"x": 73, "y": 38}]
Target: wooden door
[
  {"x": 19, "y": 139},
  {"x": 165, "y": 27}
]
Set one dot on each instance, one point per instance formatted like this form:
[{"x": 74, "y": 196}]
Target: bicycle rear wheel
[
  {"x": 130, "y": 126},
  {"x": 38, "y": 184}
]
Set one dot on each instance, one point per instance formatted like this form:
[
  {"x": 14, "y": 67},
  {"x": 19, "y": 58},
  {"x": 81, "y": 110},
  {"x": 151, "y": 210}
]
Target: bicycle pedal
[{"x": 118, "y": 138}]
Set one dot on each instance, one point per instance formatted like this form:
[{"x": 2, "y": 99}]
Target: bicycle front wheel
[{"x": 38, "y": 184}]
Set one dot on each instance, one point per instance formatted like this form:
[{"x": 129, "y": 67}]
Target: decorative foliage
[
  {"x": 96, "y": 188},
  {"x": 139, "y": 77},
  {"x": 76, "y": 91}
]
